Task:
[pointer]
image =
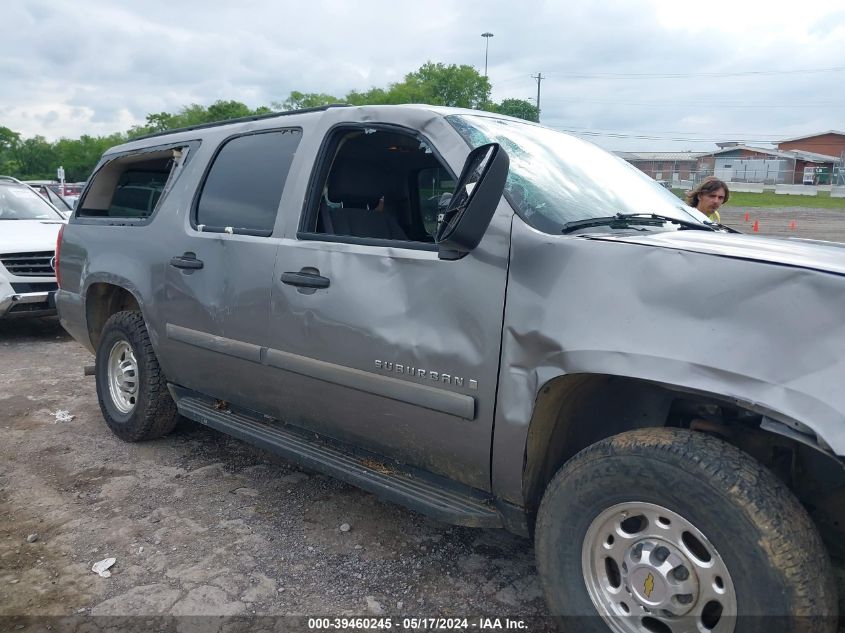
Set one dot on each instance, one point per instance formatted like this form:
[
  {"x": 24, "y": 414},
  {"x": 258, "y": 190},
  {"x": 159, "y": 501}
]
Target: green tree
[
  {"x": 377, "y": 96},
  {"x": 160, "y": 122},
  {"x": 9, "y": 142},
  {"x": 195, "y": 114},
  {"x": 298, "y": 100},
  {"x": 36, "y": 159},
  {"x": 80, "y": 156},
  {"x": 518, "y": 108},
  {"x": 435, "y": 84},
  {"x": 225, "y": 110},
  {"x": 453, "y": 85},
  {"x": 8, "y": 139}
]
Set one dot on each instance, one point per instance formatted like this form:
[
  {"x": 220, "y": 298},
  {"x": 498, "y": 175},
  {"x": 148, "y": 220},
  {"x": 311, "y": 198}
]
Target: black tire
[
  {"x": 774, "y": 557},
  {"x": 150, "y": 411}
]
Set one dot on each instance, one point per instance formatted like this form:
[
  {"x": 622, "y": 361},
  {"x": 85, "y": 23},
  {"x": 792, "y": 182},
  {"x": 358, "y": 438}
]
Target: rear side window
[
  {"x": 129, "y": 187},
  {"x": 137, "y": 193},
  {"x": 244, "y": 185}
]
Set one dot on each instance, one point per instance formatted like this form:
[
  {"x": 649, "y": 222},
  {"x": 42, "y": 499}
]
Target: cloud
[{"x": 98, "y": 67}]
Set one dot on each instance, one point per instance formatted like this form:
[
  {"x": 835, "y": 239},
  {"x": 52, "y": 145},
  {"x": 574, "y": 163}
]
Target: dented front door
[{"x": 399, "y": 354}]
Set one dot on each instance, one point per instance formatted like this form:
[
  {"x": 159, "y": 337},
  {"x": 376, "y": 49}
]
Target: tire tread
[
  {"x": 791, "y": 541},
  {"x": 159, "y": 415}
]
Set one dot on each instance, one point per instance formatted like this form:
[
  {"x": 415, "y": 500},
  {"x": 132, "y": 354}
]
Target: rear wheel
[
  {"x": 131, "y": 389},
  {"x": 665, "y": 530}
]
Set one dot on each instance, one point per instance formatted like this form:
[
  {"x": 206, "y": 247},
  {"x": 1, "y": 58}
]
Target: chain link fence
[{"x": 769, "y": 173}]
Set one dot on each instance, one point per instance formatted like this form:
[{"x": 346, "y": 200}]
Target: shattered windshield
[
  {"x": 19, "y": 202},
  {"x": 556, "y": 179}
]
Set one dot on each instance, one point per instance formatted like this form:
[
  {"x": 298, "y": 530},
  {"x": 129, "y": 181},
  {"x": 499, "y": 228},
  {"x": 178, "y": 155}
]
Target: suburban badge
[{"x": 418, "y": 372}]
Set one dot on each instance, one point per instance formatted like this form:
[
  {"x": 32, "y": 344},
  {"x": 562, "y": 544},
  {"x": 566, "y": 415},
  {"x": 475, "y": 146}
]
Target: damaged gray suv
[{"x": 493, "y": 323}]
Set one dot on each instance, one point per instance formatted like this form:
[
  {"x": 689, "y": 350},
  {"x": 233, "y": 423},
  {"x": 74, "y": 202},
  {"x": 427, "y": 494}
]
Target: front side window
[
  {"x": 243, "y": 188},
  {"x": 555, "y": 178},
  {"x": 432, "y": 184},
  {"x": 377, "y": 184}
]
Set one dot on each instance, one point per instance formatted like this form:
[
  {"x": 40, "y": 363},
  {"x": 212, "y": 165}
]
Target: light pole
[{"x": 486, "y": 35}]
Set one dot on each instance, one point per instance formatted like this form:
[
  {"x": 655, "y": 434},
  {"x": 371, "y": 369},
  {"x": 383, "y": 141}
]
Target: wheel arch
[
  {"x": 563, "y": 421},
  {"x": 573, "y": 411},
  {"x": 102, "y": 300}
]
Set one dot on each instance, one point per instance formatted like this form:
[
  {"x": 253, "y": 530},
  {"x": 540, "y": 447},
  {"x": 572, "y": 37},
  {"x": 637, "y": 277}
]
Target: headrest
[{"x": 352, "y": 180}]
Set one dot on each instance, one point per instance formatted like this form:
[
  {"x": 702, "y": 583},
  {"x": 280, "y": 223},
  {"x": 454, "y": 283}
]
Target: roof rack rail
[
  {"x": 10, "y": 179},
  {"x": 243, "y": 119}
]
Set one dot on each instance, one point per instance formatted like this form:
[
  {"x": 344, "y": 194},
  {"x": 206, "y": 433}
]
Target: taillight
[{"x": 56, "y": 265}]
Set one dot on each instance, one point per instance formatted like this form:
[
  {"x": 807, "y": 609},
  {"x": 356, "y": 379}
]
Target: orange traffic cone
[
  {"x": 756, "y": 226},
  {"x": 746, "y": 216},
  {"x": 792, "y": 225}
]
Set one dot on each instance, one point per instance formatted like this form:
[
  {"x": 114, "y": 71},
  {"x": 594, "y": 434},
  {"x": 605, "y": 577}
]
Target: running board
[{"x": 421, "y": 491}]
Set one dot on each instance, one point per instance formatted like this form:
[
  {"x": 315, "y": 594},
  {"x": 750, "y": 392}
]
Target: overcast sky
[{"x": 628, "y": 74}]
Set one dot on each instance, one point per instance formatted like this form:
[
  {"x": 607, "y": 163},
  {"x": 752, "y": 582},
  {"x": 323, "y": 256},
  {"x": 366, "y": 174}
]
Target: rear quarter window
[{"x": 131, "y": 186}]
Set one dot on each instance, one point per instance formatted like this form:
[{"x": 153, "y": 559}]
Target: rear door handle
[
  {"x": 305, "y": 280},
  {"x": 186, "y": 260}
]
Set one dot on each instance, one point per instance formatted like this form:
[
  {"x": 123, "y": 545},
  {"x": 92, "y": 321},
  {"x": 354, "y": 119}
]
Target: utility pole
[
  {"x": 486, "y": 35},
  {"x": 539, "y": 77}
]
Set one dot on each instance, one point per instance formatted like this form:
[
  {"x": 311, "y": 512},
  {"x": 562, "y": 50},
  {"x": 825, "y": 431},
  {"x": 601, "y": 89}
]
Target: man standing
[{"x": 710, "y": 194}]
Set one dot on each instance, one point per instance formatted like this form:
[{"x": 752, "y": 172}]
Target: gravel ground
[
  {"x": 201, "y": 524},
  {"x": 816, "y": 224}
]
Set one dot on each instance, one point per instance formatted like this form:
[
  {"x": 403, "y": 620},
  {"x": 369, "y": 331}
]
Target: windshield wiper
[
  {"x": 726, "y": 228},
  {"x": 710, "y": 225},
  {"x": 624, "y": 220}
]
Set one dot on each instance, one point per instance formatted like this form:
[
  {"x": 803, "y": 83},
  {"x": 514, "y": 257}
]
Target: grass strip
[{"x": 770, "y": 199}]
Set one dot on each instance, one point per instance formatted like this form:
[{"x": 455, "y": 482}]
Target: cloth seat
[
  {"x": 359, "y": 187},
  {"x": 365, "y": 223}
]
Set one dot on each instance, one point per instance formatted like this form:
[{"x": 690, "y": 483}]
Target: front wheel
[
  {"x": 131, "y": 388},
  {"x": 665, "y": 530}
]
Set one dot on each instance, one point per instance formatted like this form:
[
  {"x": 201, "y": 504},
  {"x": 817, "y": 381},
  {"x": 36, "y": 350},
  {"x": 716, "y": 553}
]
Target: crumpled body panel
[{"x": 769, "y": 335}]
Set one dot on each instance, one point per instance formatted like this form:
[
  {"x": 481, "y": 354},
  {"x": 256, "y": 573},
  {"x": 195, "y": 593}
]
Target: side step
[{"x": 424, "y": 492}]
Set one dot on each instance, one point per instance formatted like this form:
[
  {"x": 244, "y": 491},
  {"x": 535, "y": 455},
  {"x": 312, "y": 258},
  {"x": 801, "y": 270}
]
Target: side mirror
[{"x": 475, "y": 200}]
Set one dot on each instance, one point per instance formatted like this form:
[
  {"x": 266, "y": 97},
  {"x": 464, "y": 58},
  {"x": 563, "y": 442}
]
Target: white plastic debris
[
  {"x": 102, "y": 567},
  {"x": 63, "y": 416}
]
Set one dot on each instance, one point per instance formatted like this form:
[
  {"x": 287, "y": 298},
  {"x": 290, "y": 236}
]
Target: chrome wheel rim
[
  {"x": 122, "y": 373},
  {"x": 648, "y": 569}
]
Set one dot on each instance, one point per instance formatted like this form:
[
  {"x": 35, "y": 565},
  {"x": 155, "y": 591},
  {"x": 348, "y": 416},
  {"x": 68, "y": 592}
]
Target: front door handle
[
  {"x": 186, "y": 261},
  {"x": 305, "y": 280}
]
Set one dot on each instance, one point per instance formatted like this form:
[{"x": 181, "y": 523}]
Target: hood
[
  {"x": 800, "y": 253},
  {"x": 20, "y": 236}
]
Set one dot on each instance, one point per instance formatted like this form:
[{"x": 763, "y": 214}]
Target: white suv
[{"x": 29, "y": 226}]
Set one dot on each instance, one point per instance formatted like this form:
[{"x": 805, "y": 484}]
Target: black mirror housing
[{"x": 474, "y": 202}]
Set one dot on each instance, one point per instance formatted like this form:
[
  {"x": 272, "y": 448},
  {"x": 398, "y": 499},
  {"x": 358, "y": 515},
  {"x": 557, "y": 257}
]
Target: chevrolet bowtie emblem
[{"x": 648, "y": 587}]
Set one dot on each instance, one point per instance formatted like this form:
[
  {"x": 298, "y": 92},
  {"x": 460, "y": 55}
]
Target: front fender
[{"x": 766, "y": 336}]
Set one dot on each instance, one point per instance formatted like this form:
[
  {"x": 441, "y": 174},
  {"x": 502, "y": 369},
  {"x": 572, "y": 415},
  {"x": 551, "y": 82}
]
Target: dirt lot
[
  {"x": 817, "y": 224},
  {"x": 201, "y": 524}
]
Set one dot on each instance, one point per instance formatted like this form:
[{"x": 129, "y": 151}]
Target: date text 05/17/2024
[{"x": 417, "y": 624}]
